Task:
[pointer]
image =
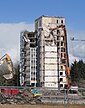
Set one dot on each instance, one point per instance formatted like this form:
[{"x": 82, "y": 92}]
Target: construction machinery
[
  {"x": 36, "y": 93},
  {"x": 62, "y": 29},
  {"x": 6, "y": 59}
]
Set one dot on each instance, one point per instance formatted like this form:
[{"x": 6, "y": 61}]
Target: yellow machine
[
  {"x": 6, "y": 59},
  {"x": 36, "y": 93}
]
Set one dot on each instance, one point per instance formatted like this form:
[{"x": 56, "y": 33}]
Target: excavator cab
[{"x": 6, "y": 59}]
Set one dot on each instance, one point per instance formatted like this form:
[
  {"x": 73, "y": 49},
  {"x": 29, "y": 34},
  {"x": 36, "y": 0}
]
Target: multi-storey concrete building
[
  {"x": 52, "y": 55},
  {"x": 44, "y": 54},
  {"x": 28, "y": 58}
]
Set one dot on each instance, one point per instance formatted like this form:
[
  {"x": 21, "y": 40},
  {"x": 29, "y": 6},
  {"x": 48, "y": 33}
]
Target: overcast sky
[
  {"x": 19, "y": 15},
  {"x": 10, "y": 38}
]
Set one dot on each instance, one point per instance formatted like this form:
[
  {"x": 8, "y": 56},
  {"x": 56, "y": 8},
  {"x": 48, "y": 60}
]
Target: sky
[{"x": 19, "y": 15}]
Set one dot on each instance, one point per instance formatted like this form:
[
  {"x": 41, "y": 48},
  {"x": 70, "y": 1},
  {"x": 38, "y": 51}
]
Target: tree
[
  {"x": 17, "y": 74},
  {"x": 77, "y": 71}
]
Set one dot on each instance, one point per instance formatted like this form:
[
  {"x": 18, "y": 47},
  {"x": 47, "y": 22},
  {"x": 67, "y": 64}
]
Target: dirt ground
[{"x": 40, "y": 106}]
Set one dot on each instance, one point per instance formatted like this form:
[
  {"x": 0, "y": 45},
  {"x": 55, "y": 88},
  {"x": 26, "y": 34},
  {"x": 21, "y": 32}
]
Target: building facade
[
  {"x": 52, "y": 55},
  {"x": 44, "y": 54},
  {"x": 27, "y": 59}
]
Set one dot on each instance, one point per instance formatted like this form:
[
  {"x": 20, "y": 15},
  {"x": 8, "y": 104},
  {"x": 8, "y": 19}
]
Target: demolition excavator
[
  {"x": 71, "y": 89},
  {"x": 11, "y": 91},
  {"x": 6, "y": 59},
  {"x": 58, "y": 28}
]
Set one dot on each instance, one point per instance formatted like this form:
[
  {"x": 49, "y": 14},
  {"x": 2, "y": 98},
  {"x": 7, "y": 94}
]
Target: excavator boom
[
  {"x": 67, "y": 61},
  {"x": 6, "y": 59}
]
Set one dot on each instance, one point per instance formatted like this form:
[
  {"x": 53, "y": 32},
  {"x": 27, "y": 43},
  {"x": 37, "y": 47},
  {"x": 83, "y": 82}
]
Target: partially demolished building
[
  {"x": 28, "y": 58},
  {"x": 48, "y": 46},
  {"x": 52, "y": 55}
]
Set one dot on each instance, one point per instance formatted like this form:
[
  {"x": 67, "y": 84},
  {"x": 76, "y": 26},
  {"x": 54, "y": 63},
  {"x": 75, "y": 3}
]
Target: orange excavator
[
  {"x": 63, "y": 28},
  {"x": 6, "y": 59}
]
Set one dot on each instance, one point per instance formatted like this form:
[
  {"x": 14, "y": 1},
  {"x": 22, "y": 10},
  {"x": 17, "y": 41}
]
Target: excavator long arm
[
  {"x": 6, "y": 59},
  {"x": 67, "y": 62}
]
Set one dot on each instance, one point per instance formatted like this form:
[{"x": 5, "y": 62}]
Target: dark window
[
  {"x": 57, "y": 43},
  {"x": 58, "y": 37},
  {"x": 61, "y": 85},
  {"x": 61, "y": 67},
  {"x": 72, "y": 91},
  {"x": 63, "y": 61},
  {"x": 61, "y": 79},
  {"x": 48, "y": 40},
  {"x": 58, "y": 50},
  {"x": 61, "y": 73},
  {"x": 61, "y": 55},
  {"x": 61, "y": 21},
  {"x": 62, "y": 43},
  {"x": 32, "y": 78},
  {"x": 58, "y": 31},
  {"x": 62, "y": 49},
  {"x": 57, "y": 21}
]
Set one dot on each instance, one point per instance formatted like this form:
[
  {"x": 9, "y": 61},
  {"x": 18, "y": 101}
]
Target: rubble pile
[{"x": 23, "y": 97}]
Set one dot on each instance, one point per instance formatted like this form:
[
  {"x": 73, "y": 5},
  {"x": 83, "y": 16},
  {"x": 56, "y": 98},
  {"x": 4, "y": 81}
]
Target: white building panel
[
  {"x": 51, "y": 48},
  {"x": 64, "y": 79},
  {"x": 32, "y": 81},
  {"x": 51, "y": 67},
  {"x": 51, "y": 73},
  {"x": 63, "y": 83},
  {"x": 48, "y": 60},
  {"x": 51, "y": 79},
  {"x": 51, "y": 85},
  {"x": 50, "y": 54}
]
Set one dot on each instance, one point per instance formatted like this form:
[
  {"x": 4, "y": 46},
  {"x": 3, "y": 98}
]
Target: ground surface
[{"x": 40, "y": 106}]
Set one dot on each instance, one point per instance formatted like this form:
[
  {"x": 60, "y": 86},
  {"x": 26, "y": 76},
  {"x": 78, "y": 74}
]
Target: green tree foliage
[
  {"x": 77, "y": 71},
  {"x": 16, "y": 75}
]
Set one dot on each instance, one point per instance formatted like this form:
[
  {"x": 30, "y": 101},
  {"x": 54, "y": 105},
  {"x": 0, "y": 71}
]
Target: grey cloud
[
  {"x": 76, "y": 48},
  {"x": 10, "y": 40},
  {"x": 10, "y": 37}
]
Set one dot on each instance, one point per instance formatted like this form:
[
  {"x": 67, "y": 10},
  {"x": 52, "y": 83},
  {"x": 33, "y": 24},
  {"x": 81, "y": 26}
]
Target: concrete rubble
[
  {"x": 48, "y": 97},
  {"x": 23, "y": 97}
]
